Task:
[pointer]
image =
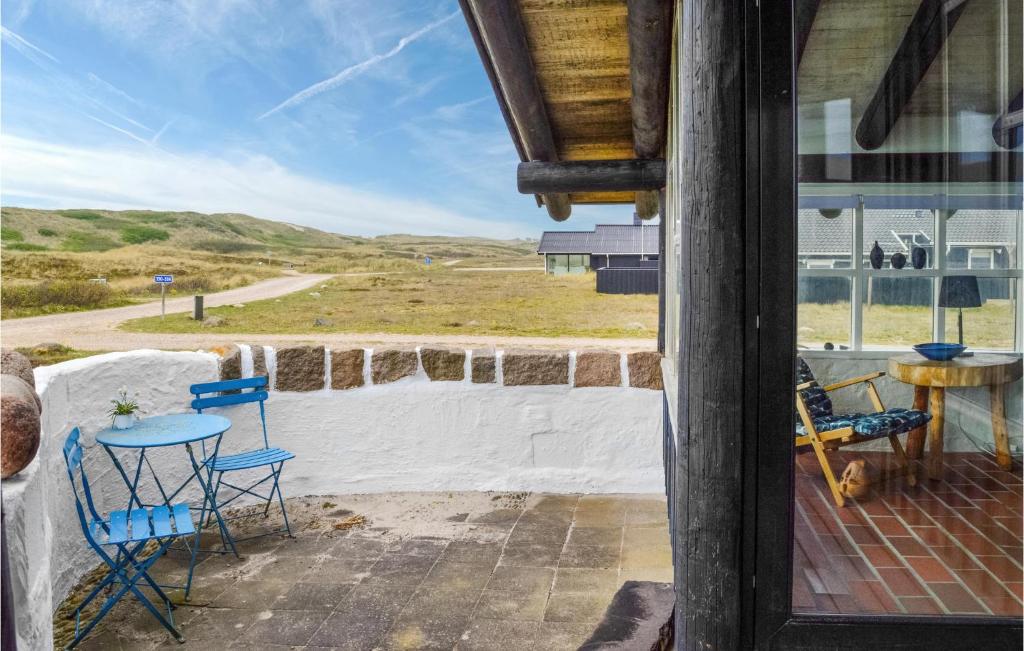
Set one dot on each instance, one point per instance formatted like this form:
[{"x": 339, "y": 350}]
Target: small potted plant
[{"x": 124, "y": 410}]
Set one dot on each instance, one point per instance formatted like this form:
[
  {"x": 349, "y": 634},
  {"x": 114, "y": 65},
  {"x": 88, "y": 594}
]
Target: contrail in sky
[{"x": 355, "y": 69}]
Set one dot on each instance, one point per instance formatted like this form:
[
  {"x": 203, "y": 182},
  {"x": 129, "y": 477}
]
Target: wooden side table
[{"x": 931, "y": 379}]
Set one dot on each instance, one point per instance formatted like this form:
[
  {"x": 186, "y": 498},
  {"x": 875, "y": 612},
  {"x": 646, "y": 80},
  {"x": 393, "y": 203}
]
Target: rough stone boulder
[
  {"x": 230, "y": 361},
  {"x": 533, "y": 367},
  {"x": 300, "y": 368},
  {"x": 259, "y": 360},
  {"x": 392, "y": 364},
  {"x": 482, "y": 366},
  {"x": 598, "y": 369},
  {"x": 347, "y": 368},
  {"x": 443, "y": 363},
  {"x": 14, "y": 363},
  {"x": 645, "y": 370},
  {"x": 19, "y": 425}
]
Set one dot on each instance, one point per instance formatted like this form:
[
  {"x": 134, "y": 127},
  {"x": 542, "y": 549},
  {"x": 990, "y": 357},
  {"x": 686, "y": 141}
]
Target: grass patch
[
  {"x": 81, "y": 241},
  {"x": 56, "y": 296},
  {"x": 142, "y": 234},
  {"x": 439, "y": 301},
  {"x": 10, "y": 235},
  {"x": 27, "y": 246},
  {"x": 896, "y": 326},
  {"x": 47, "y": 232},
  {"x": 84, "y": 215},
  {"x": 46, "y": 354}
]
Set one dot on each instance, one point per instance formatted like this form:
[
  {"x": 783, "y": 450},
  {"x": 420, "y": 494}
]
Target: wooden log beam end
[
  {"x": 647, "y": 204},
  {"x": 558, "y": 205}
]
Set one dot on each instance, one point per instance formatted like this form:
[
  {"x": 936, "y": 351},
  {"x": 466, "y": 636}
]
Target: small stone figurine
[{"x": 877, "y": 255}]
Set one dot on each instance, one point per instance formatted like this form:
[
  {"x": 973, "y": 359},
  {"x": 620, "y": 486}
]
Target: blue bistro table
[{"x": 165, "y": 431}]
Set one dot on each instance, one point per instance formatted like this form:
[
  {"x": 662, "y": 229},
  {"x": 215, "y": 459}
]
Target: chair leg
[
  {"x": 906, "y": 467},
  {"x": 830, "y": 477},
  {"x": 280, "y": 498}
]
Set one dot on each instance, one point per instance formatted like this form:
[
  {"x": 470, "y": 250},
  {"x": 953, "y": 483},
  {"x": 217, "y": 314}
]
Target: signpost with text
[{"x": 163, "y": 280}]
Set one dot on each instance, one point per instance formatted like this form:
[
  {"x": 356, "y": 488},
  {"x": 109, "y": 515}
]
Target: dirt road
[{"x": 97, "y": 329}]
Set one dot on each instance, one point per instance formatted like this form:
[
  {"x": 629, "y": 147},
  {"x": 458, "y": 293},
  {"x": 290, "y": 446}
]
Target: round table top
[
  {"x": 983, "y": 369},
  {"x": 160, "y": 431}
]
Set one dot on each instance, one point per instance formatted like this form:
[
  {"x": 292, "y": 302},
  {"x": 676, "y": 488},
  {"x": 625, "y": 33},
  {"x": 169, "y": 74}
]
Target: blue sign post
[{"x": 163, "y": 280}]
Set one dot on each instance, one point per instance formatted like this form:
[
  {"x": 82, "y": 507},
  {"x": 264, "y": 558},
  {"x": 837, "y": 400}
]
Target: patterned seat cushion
[
  {"x": 818, "y": 404},
  {"x": 891, "y": 421}
]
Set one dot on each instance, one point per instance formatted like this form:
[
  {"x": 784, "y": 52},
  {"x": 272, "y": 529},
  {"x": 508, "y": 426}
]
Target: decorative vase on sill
[
  {"x": 918, "y": 257},
  {"x": 124, "y": 421},
  {"x": 898, "y": 260},
  {"x": 877, "y": 255}
]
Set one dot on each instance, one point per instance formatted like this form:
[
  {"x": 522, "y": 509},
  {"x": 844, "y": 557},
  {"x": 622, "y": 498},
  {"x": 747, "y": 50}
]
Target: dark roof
[
  {"x": 611, "y": 239},
  {"x": 821, "y": 236}
]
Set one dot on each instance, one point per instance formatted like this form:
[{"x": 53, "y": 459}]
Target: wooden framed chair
[{"x": 823, "y": 430}]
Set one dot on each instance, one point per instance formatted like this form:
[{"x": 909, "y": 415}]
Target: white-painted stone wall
[{"x": 410, "y": 435}]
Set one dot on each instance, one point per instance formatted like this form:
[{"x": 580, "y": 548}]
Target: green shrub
[
  {"x": 85, "y": 215},
  {"x": 47, "y": 232},
  {"x": 80, "y": 241},
  {"x": 26, "y": 246},
  {"x": 77, "y": 293},
  {"x": 141, "y": 234},
  {"x": 10, "y": 235}
]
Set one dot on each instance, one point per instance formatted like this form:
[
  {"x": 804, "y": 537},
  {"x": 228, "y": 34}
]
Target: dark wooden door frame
[{"x": 770, "y": 232}]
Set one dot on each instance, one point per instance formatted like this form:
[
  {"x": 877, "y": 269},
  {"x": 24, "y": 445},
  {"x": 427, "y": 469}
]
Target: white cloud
[
  {"x": 29, "y": 50},
  {"x": 356, "y": 69},
  {"x": 62, "y": 176}
]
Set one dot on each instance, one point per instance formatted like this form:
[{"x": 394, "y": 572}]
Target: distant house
[{"x": 619, "y": 246}]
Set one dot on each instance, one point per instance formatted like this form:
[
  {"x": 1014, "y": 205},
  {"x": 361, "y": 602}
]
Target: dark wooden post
[{"x": 707, "y": 503}]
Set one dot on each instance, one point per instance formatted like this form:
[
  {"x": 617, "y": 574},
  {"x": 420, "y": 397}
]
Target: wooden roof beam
[
  {"x": 1009, "y": 128},
  {"x": 497, "y": 28},
  {"x": 805, "y": 11},
  {"x": 927, "y": 33},
  {"x": 650, "y": 39},
  {"x": 629, "y": 175}
]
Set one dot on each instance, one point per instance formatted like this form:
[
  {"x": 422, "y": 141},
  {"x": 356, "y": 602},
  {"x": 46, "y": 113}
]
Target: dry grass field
[
  {"x": 987, "y": 327},
  {"x": 438, "y": 301}
]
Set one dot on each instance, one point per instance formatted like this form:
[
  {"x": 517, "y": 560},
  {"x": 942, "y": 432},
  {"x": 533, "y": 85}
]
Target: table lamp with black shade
[{"x": 959, "y": 292}]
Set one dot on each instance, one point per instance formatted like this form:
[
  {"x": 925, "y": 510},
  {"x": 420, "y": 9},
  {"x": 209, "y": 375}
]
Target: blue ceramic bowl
[{"x": 940, "y": 352}]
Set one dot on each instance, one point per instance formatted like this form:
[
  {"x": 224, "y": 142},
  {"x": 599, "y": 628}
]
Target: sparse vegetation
[
  {"x": 10, "y": 235},
  {"x": 26, "y": 246},
  {"x": 439, "y": 301},
  {"x": 54, "y": 296},
  {"x": 47, "y": 232},
  {"x": 46, "y": 354},
  {"x": 141, "y": 234},
  {"x": 81, "y": 241}
]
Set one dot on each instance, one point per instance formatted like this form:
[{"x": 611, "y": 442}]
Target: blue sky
[{"x": 355, "y": 116}]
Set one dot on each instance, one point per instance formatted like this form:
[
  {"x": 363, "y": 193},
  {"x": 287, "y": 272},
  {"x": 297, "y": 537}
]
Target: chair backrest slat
[
  {"x": 257, "y": 382},
  {"x": 73, "y": 454},
  {"x": 814, "y": 397},
  {"x": 234, "y": 396},
  {"x": 229, "y": 399}
]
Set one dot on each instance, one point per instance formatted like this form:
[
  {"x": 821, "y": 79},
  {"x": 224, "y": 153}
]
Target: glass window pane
[
  {"x": 825, "y": 239},
  {"x": 991, "y": 326},
  {"x": 900, "y": 232},
  {"x": 897, "y": 312},
  {"x": 823, "y": 312},
  {"x": 982, "y": 239}
]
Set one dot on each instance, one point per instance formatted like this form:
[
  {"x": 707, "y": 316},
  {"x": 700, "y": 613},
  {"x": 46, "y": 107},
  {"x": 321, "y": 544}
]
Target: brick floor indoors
[
  {"x": 941, "y": 547},
  {"x": 428, "y": 571}
]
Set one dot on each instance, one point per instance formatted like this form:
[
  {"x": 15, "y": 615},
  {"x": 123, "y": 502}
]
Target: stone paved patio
[{"x": 427, "y": 571}]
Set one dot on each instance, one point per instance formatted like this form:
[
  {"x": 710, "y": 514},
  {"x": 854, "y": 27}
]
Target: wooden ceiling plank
[{"x": 502, "y": 40}]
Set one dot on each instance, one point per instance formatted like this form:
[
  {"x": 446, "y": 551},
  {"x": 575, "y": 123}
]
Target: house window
[{"x": 897, "y": 304}]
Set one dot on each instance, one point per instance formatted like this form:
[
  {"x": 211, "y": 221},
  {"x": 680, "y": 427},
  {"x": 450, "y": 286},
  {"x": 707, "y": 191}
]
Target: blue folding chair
[
  {"x": 128, "y": 532},
  {"x": 231, "y": 392}
]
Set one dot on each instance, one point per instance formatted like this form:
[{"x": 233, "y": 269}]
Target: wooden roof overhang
[
  {"x": 583, "y": 84},
  {"x": 587, "y": 119}
]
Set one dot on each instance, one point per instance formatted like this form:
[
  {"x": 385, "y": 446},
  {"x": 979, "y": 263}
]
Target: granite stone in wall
[
  {"x": 535, "y": 367},
  {"x": 598, "y": 369},
  {"x": 391, "y": 364},
  {"x": 442, "y": 364},
  {"x": 300, "y": 368},
  {"x": 645, "y": 370},
  {"x": 347, "y": 368},
  {"x": 482, "y": 366}
]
